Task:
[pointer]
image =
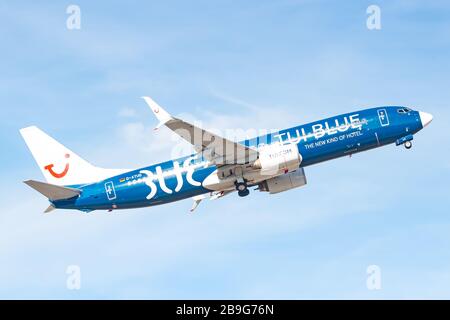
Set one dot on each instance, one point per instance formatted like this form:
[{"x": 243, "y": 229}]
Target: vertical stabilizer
[{"x": 60, "y": 165}]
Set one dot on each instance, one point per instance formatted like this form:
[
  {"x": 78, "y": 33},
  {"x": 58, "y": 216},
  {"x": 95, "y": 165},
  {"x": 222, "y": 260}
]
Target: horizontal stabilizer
[{"x": 53, "y": 192}]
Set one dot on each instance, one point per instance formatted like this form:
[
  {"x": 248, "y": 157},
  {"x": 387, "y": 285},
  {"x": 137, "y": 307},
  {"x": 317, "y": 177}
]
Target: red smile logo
[{"x": 55, "y": 174}]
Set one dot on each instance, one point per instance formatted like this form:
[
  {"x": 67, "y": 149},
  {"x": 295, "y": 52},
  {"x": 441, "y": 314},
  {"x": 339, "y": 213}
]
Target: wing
[
  {"x": 212, "y": 196},
  {"x": 213, "y": 147}
]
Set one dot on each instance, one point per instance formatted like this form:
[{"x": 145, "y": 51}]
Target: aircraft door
[
  {"x": 383, "y": 117},
  {"x": 110, "y": 191}
]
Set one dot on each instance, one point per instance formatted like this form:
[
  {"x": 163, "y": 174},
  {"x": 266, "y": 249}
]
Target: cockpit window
[{"x": 403, "y": 110}]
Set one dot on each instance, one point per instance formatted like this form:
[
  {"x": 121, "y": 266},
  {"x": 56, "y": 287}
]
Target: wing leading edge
[{"x": 213, "y": 147}]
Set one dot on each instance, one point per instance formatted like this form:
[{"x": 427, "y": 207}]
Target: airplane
[{"x": 269, "y": 163}]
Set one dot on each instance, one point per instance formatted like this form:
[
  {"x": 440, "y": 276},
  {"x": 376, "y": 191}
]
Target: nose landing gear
[{"x": 406, "y": 141}]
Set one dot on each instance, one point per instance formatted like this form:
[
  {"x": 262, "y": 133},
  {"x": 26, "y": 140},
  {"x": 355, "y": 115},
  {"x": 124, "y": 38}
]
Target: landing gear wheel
[
  {"x": 408, "y": 144},
  {"x": 244, "y": 193},
  {"x": 241, "y": 186}
]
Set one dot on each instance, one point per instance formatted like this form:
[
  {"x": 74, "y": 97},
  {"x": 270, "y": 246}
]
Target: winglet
[
  {"x": 162, "y": 115},
  {"x": 197, "y": 200},
  {"x": 50, "y": 208},
  {"x": 196, "y": 203}
]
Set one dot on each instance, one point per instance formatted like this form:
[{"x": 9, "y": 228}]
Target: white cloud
[
  {"x": 235, "y": 124},
  {"x": 127, "y": 112}
]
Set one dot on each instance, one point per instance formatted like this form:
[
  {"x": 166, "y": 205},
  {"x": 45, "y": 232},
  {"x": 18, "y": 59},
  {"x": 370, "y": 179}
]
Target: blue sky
[{"x": 252, "y": 64}]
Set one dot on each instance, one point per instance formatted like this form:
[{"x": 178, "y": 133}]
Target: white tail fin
[{"x": 60, "y": 165}]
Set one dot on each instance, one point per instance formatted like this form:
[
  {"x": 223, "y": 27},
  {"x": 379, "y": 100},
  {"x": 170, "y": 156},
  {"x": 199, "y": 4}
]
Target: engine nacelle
[
  {"x": 278, "y": 159},
  {"x": 284, "y": 182}
]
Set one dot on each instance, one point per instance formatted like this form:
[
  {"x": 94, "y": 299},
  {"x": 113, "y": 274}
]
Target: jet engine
[
  {"x": 278, "y": 159},
  {"x": 284, "y": 182}
]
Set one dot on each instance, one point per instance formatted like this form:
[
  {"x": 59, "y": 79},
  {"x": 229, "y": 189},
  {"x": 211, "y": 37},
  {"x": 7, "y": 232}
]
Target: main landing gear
[
  {"x": 241, "y": 187},
  {"x": 241, "y": 183},
  {"x": 408, "y": 144}
]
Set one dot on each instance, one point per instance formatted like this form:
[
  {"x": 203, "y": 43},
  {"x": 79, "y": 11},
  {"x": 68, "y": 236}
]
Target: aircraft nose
[{"x": 425, "y": 118}]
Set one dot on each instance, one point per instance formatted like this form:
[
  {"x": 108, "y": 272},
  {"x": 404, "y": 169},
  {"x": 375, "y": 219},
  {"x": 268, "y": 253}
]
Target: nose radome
[{"x": 425, "y": 118}]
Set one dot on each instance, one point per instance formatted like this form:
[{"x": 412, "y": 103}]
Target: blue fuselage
[{"x": 182, "y": 178}]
